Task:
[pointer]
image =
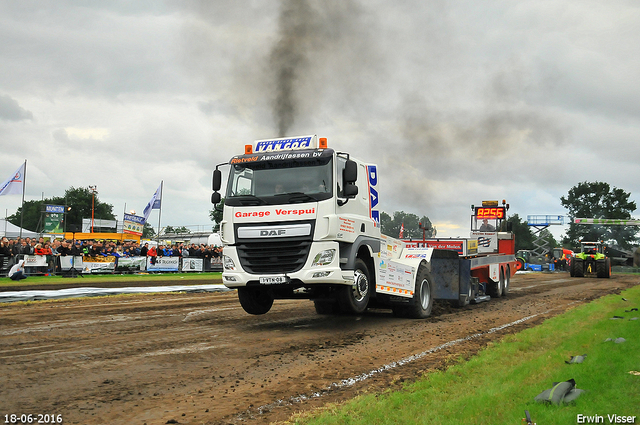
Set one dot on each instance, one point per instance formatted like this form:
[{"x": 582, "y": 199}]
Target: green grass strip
[
  {"x": 499, "y": 384},
  {"x": 89, "y": 280}
]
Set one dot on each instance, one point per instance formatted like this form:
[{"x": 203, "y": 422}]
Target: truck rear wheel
[
  {"x": 354, "y": 298},
  {"x": 255, "y": 300},
  {"x": 423, "y": 297},
  {"x": 507, "y": 282},
  {"x": 495, "y": 288}
]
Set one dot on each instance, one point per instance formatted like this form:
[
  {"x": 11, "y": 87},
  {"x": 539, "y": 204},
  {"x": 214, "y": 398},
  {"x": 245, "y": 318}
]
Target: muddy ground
[{"x": 200, "y": 359}]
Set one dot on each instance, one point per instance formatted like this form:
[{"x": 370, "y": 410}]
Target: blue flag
[{"x": 154, "y": 203}]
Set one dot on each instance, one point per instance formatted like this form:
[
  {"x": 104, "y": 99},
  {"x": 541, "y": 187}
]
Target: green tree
[
  {"x": 215, "y": 214},
  {"x": 599, "y": 200},
  {"x": 176, "y": 230},
  {"x": 78, "y": 201},
  {"x": 522, "y": 231},
  {"x": 148, "y": 231},
  {"x": 391, "y": 226}
]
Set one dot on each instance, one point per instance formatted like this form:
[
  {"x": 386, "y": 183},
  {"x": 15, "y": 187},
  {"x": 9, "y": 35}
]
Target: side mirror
[
  {"x": 215, "y": 198},
  {"x": 350, "y": 172},
  {"x": 217, "y": 180},
  {"x": 350, "y": 190}
]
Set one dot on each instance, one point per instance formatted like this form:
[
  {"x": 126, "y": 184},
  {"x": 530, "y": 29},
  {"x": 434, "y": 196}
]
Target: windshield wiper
[
  {"x": 298, "y": 196},
  {"x": 250, "y": 200}
]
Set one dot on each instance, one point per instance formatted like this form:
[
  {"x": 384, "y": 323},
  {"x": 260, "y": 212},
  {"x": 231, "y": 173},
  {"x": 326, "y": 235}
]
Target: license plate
[{"x": 273, "y": 280}]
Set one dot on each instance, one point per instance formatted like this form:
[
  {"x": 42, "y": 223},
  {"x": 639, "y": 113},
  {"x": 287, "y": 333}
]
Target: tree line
[{"x": 585, "y": 200}]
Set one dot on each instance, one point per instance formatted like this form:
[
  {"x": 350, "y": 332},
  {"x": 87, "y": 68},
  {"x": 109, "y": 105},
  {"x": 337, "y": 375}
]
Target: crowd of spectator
[{"x": 11, "y": 250}]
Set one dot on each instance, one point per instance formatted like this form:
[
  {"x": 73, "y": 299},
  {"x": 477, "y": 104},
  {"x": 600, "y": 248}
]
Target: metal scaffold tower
[{"x": 541, "y": 222}]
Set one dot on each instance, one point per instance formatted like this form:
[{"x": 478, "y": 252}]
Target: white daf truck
[{"x": 301, "y": 220}]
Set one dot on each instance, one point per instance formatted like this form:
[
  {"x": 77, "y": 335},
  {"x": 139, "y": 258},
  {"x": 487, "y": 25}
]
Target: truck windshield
[{"x": 269, "y": 180}]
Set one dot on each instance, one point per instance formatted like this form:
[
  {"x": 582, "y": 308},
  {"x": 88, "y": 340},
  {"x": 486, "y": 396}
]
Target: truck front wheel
[
  {"x": 255, "y": 300},
  {"x": 354, "y": 298}
]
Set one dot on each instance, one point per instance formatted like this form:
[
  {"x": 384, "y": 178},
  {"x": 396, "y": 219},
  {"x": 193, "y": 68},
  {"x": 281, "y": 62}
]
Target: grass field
[
  {"x": 88, "y": 280},
  {"x": 500, "y": 383}
]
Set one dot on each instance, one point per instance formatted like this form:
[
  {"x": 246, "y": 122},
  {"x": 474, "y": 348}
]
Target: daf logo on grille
[{"x": 279, "y": 232}]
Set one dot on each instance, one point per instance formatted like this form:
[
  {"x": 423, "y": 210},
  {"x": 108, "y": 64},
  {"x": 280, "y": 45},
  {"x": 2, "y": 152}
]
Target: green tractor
[{"x": 591, "y": 261}]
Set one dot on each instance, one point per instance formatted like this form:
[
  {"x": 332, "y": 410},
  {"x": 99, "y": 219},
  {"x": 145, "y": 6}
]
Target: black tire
[
  {"x": 519, "y": 264},
  {"x": 424, "y": 293},
  {"x": 578, "y": 270},
  {"x": 507, "y": 282},
  {"x": 572, "y": 266},
  {"x": 255, "y": 300},
  {"x": 326, "y": 307},
  {"x": 354, "y": 298},
  {"x": 603, "y": 268},
  {"x": 463, "y": 300},
  {"x": 495, "y": 288}
]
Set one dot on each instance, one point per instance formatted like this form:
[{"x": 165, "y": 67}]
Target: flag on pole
[
  {"x": 401, "y": 231},
  {"x": 14, "y": 184},
  {"x": 154, "y": 203}
]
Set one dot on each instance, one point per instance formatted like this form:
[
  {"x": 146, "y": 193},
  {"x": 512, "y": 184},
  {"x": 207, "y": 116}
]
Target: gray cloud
[
  {"x": 10, "y": 110},
  {"x": 456, "y": 102}
]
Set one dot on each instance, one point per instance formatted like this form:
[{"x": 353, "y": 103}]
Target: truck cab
[{"x": 297, "y": 217}]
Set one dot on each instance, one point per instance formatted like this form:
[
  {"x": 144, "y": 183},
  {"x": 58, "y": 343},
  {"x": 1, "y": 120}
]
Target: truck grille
[{"x": 274, "y": 256}]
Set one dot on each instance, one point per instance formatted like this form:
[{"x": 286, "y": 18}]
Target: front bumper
[{"x": 308, "y": 275}]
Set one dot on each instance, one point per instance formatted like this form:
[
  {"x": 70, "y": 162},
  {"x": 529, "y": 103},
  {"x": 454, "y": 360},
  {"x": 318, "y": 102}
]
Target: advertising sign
[
  {"x": 487, "y": 242},
  {"x": 98, "y": 264},
  {"x": 133, "y": 224},
  {"x": 35, "y": 261},
  {"x": 53, "y": 222},
  {"x": 54, "y": 209},
  {"x": 163, "y": 264},
  {"x": 68, "y": 262},
  {"x": 131, "y": 263},
  {"x": 53, "y": 218},
  {"x": 192, "y": 264}
]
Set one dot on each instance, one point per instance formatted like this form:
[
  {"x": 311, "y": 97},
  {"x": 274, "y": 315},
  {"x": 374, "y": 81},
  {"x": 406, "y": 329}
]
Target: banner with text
[
  {"x": 98, "y": 264},
  {"x": 53, "y": 216},
  {"x": 163, "y": 264},
  {"x": 192, "y": 264},
  {"x": 133, "y": 224},
  {"x": 131, "y": 263}
]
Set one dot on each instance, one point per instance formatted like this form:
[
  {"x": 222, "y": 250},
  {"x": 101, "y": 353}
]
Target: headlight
[
  {"x": 228, "y": 263},
  {"x": 324, "y": 257}
]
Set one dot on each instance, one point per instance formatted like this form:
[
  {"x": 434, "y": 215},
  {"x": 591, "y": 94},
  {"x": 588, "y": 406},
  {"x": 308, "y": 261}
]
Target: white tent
[{"x": 12, "y": 231}]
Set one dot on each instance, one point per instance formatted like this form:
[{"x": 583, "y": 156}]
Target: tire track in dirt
[{"x": 201, "y": 359}]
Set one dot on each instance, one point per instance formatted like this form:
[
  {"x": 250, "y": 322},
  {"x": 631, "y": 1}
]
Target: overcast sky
[{"x": 456, "y": 101}]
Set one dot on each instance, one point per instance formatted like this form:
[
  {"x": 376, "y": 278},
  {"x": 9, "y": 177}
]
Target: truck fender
[
  {"x": 415, "y": 256},
  {"x": 349, "y": 252}
]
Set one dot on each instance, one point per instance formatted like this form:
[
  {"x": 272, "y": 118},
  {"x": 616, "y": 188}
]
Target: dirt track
[{"x": 199, "y": 359}]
